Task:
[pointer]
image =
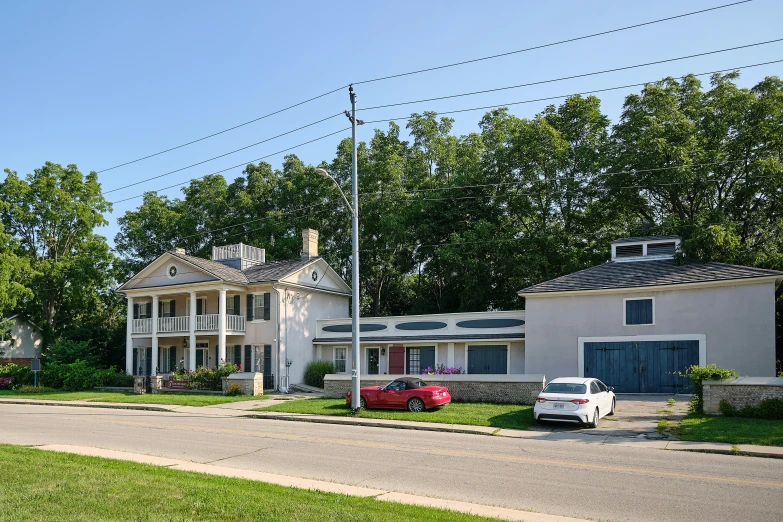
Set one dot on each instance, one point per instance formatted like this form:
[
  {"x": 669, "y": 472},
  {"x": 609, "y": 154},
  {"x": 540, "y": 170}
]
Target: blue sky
[{"x": 100, "y": 83}]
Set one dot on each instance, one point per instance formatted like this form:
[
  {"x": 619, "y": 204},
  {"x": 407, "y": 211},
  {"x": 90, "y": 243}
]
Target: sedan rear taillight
[
  {"x": 580, "y": 401},
  {"x": 540, "y": 399}
]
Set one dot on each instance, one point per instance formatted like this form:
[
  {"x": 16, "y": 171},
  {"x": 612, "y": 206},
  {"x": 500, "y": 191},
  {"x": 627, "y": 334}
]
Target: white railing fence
[
  {"x": 142, "y": 326},
  {"x": 235, "y": 323},
  {"x": 207, "y": 322},
  {"x": 174, "y": 324},
  {"x": 239, "y": 250}
]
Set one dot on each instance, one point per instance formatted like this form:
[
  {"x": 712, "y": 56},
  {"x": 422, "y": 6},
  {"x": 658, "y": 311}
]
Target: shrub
[
  {"x": 697, "y": 374},
  {"x": 72, "y": 377},
  {"x": 6, "y": 382},
  {"x": 234, "y": 390},
  {"x": 770, "y": 409},
  {"x": 20, "y": 374},
  {"x": 114, "y": 378},
  {"x": 315, "y": 371},
  {"x": 206, "y": 378},
  {"x": 67, "y": 352},
  {"x": 34, "y": 389}
]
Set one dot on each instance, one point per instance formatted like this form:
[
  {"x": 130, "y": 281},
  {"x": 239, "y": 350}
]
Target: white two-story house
[{"x": 186, "y": 312}]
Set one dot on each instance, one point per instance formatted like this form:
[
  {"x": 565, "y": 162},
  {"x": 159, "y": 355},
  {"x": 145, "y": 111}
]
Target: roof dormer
[
  {"x": 239, "y": 256},
  {"x": 649, "y": 248}
]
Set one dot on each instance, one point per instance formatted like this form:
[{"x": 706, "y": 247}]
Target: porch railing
[
  {"x": 235, "y": 323},
  {"x": 142, "y": 326},
  {"x": 207, "y": 322},
  {"x": 173, "y": 324}
]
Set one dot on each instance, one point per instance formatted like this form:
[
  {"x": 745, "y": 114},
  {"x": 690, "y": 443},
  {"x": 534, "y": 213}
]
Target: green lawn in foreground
[
  {"x": 43, "y": 485},
  {"x": 734, "y": 430},
  {"x": 172, "y": 398},
  {"x": 474, "y": 414}
]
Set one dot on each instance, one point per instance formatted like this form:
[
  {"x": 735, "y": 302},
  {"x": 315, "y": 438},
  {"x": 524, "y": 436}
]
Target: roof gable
[
  {"x": 614, "y": 275},
  {"x": 318, "y": 275}
]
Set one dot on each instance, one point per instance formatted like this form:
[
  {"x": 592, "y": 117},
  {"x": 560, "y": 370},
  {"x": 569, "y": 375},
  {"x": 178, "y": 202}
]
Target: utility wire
[
  {"x": 322, "y": 95},
  {"x": 427, "y": 100},
  {"x": 440, "y": 113},
  {"x": 552, "y": 44},
  {"x": 234, "y": 166},
  {"x": 541, "y": 82},
  {"x": 223, "y": 155}
]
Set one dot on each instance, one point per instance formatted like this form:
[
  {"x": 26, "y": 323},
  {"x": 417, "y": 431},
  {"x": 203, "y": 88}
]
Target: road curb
[
  {"x": 445, "y": 428},
  {"x": 118, "y": 406}
]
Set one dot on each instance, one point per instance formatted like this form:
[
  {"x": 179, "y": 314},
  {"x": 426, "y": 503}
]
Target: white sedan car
[{"x": 581, "y": 400}]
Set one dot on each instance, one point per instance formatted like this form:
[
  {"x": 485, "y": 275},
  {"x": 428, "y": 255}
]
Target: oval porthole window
[
  {"x": 172, "y": 272},
  {"x": 315, "y": 275}
]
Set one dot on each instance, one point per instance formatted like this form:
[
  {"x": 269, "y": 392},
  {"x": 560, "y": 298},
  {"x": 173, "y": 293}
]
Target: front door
[
  {"x": 202, "y": 354},
  {"x": 373, "y": 361}
]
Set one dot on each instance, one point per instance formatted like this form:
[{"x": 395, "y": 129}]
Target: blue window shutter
[
  {"x": 639, "y": 311},
  {"x": 247, "y": 367},
  {"x": 172, "y": 358},
  {"x": 199, "y": 307},
  {"x": 172, "y": 309},
  {"x": 236, "y": 305},
  {"x": 267, "y": 302},
  {"x": 135, "y": 311},
  {"x": 250, "y": 299}
]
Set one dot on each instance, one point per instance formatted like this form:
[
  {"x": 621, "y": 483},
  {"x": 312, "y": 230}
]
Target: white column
[
  {"x": 192, "y": 331},
  {"x": 450, "y": 356},
  {"x": 154, "y": 334},
  {"x": 222, "y": 328},
  {"x": 129, "y": 339}
]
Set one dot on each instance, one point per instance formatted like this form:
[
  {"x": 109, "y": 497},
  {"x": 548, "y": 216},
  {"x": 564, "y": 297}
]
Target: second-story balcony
[{"x": 181, "y": 324}]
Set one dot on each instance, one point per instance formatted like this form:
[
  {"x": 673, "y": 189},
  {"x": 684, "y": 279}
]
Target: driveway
[{"x": 635, "y": 416}]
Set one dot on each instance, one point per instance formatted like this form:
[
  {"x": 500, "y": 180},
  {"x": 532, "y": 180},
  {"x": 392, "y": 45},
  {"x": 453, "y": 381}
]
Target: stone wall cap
[
  {"x": 244, "y": 375},
  {"x": 513, "y": 377},
  {"x": 749, "y": 381}
]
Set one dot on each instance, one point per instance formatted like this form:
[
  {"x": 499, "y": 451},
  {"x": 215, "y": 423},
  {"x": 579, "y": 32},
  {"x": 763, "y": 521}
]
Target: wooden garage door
[{"x": 642, "y": 367}]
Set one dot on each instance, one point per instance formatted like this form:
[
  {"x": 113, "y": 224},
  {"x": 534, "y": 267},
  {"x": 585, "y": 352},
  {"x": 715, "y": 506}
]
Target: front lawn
[
  {"x": 733, "y": 430},
  {"x": 474, "y": 414},
  {"x": 170, "y": 398},
  {"x": 44, "y": 485}
]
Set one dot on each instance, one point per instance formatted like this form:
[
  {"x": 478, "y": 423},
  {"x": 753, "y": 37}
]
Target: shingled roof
[
  {"x": 219, "y": 270},
  {"x": 276, "y": 270},
  {"x": 614, "y": 275}
]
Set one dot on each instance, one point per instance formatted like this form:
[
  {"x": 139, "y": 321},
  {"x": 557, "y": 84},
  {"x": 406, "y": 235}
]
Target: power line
[
  {"x": 542, "y": 46},
  {"x": 234, "y": 166},
  {"x": 541, "y": 82},
  {"x": 426, "y": 100},
  {"x": 548, "y": 98},
  {"x": 552, "y": 44},
  {"x": 223, "y": 155},
  {"x": 594, "y": 91}
]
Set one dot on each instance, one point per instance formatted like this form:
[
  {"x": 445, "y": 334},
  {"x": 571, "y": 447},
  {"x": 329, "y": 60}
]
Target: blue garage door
[
  {"x": 487, "y": 359},
  {"x": 642, "y": 367}
]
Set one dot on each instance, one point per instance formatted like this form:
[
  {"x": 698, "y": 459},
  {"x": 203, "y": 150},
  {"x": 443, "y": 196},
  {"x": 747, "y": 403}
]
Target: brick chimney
[{"x": 309, "y": 243}]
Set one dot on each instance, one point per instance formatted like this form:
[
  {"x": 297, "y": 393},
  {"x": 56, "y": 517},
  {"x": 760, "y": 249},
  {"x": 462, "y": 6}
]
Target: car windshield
[{"x": 565, "y": 387}]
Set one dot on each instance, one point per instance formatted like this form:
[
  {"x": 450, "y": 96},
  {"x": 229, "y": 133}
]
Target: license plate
[{"x": 559, "y": 406}]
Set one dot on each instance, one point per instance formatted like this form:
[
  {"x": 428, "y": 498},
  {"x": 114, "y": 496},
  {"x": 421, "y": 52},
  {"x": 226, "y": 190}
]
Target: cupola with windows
[{"x": 648, "y": 248}]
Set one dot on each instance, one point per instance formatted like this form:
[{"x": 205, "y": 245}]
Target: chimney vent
[{"x": 309, "y": 243}]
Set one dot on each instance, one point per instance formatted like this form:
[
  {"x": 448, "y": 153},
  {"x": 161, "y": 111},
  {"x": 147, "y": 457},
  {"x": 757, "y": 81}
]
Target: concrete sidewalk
[{"x": 315, "y": 485}]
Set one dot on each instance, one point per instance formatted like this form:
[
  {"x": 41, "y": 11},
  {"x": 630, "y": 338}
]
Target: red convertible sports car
[{"x": 412, "y": 394}]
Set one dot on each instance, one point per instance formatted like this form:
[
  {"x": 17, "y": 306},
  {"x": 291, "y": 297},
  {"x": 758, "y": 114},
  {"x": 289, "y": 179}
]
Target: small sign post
[{"x": 35, "y": 366}]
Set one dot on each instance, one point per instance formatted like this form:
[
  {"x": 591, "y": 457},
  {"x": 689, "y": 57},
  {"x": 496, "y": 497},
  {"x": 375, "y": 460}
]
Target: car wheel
[
  {"x": 594, "y": 423},
  {"x": 362, "y": 403},
  {"x": 415, "y": 405},
  {"x": 611, "y": 412}
]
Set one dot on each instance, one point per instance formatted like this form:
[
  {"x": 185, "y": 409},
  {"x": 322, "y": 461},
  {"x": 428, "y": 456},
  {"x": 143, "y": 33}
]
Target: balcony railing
[
  {"x": 204, "y": 323},
  {"x": 173, "y": 324},
  {"x": 142, "y": 326},
  {"x": 235, "y": 323}
]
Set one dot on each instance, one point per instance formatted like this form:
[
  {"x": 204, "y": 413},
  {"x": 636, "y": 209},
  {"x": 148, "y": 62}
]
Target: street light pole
[
  {"x": 354, "y": 209},
  {"x": 355, "y": 373}
]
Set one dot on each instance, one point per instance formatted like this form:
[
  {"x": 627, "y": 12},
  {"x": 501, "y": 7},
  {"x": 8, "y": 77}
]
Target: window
[
  {"x": 167, "y": 359},
  {"x": 258, "y": 358},
  {"x": 165, "y": 309},
  {"x": 339, "y": 360},
  {"x": 145, "y": 310},
  {"x": 639, "y": 311},
  {"x": 594, "y": 388},
  {"x": 396, "y": 386},
  {"x": 201, "y": 306},
  {"x": 414, "y": 361},
  {"x": 566, "y": 388},
  {"x": 260, "y": 306},
  {"x": 602, "y": 386},
  {"x": 230, "y": 305}
]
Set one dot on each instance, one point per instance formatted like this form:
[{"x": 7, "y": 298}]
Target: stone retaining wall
[
  {"x": 249, "y": 383},
  {"x": 741, "y": 393},
  {"x": 502, "y": 389}
]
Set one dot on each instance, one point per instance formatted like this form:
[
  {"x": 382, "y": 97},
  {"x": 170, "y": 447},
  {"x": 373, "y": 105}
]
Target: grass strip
[
  {"x": 513, "y": 416},
  {"x": 732, "y": 430},
  {"x": 171, "y": 398},
  {"x": 64, "y": 487}
]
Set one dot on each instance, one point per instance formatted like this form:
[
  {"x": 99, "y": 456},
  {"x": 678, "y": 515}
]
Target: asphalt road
[{"x": 565, "y": 478}]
